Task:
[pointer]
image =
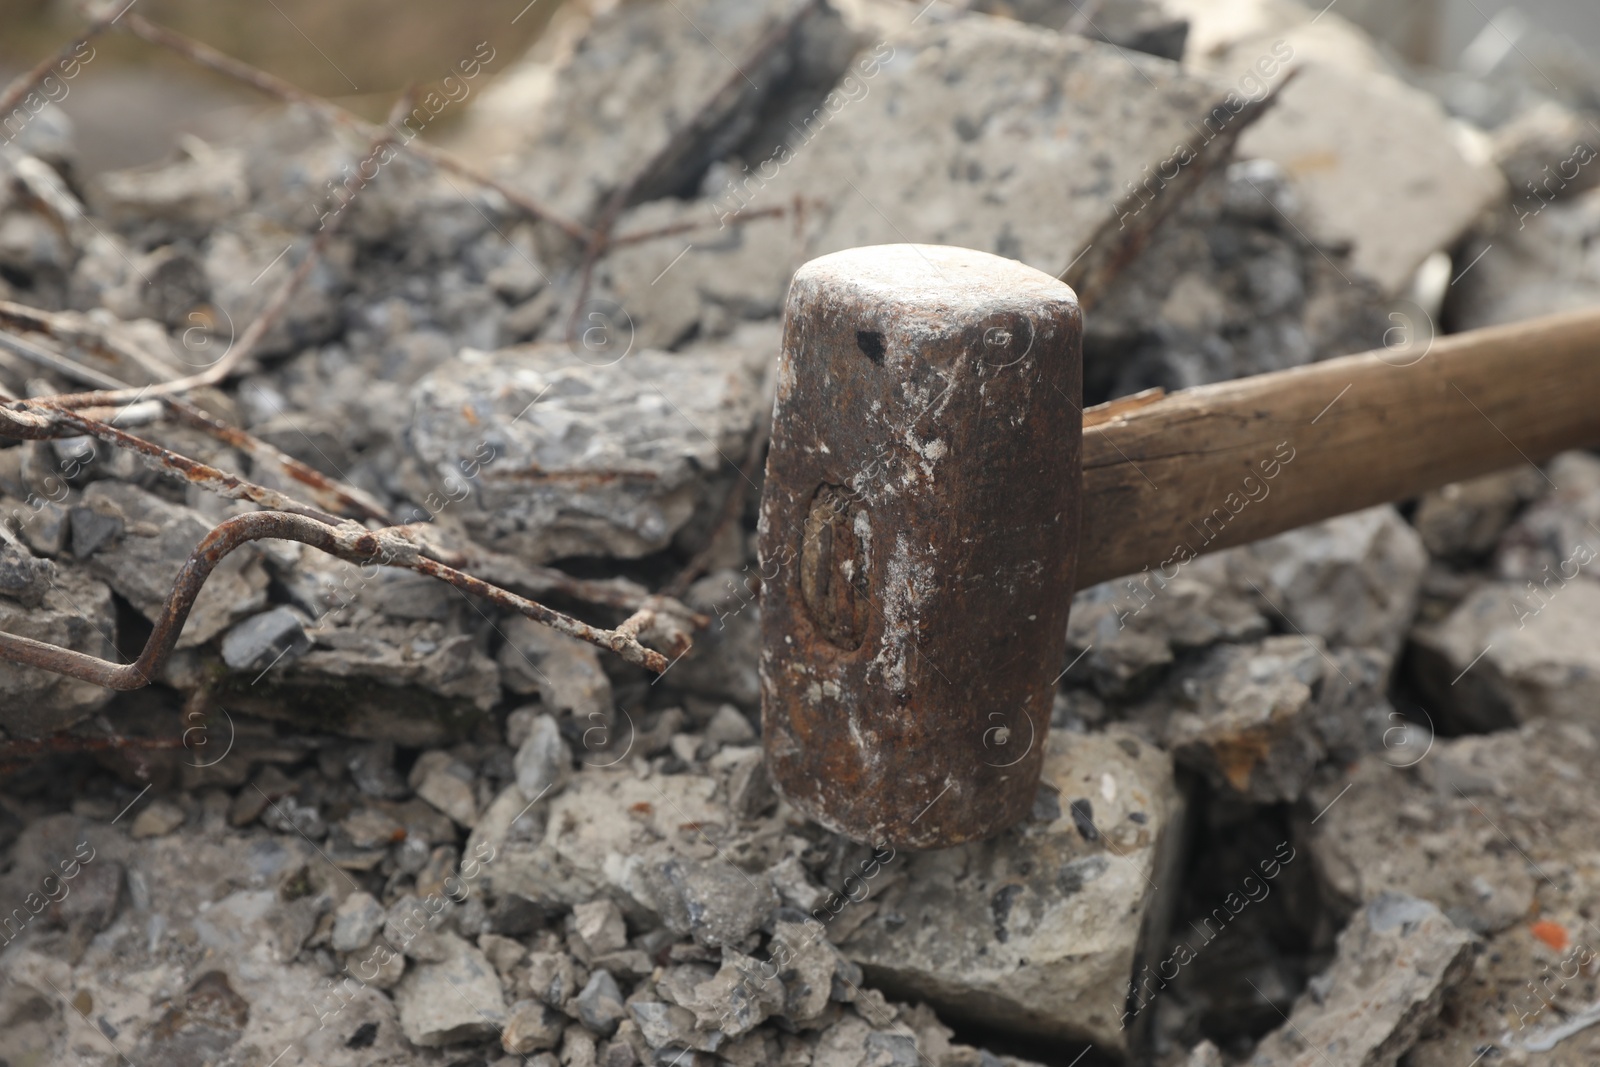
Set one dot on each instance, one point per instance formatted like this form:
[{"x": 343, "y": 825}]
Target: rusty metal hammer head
[{"x": 918, "y": 531}]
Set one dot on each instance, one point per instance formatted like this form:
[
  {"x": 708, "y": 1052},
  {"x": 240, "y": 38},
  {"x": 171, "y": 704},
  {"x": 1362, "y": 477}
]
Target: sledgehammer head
[{"x": 918, "y": 532}]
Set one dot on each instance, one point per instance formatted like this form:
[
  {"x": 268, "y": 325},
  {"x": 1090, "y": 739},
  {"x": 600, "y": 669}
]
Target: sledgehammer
[{"x": 935, "y": 493}]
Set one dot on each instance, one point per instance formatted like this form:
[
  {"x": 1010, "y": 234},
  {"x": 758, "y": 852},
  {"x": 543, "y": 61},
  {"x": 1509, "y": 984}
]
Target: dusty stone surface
[
  {"x": 202, "y": 922},
  {"x": 580, "y": 454},
  {"x": 1232, "y": 286},
  {"x": 1484, "y": 826},
  {"x": 934, "y": 137},
  {"x": 1038, "y": 929},
  {"x": 564, "y": 672},
  {"x": 1462, "y": 522},
  {"x": 1353, "y": 581},
  {"x": 1525, "y": 998},
  {"x": 1396, "y": 960},
  {"x": 1505, "y": 657},
  {"x": 141, "y": 561},
  {"x": 75, "y": 612},
  {"x": 1549, "y": 544},
  {"x": 543, "y": 761},
  {"x": 636, "y": 83},
  {"x": 455, "y": 999},
  {"x": 1540, "y": 270},
  {"x": 1258, "y": 719},
  {"x": 1336, "y": 129},
  {"x": 606, "y": 856}
]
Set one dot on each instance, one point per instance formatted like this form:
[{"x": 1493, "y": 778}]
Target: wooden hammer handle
[{"x": 1222, "y": 465}]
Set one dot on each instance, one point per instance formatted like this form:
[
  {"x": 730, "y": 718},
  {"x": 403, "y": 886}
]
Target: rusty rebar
[
  {"x": 346, "y": 541},
  {"x": 37, "y": 421}
]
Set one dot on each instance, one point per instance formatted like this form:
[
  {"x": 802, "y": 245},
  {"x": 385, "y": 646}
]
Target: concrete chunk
[
  {"x": 1395, "y": 961},
  {"x": 1038, "y": 929}
]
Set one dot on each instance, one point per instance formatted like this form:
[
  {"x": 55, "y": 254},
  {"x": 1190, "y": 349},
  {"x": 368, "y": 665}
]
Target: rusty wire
[
  {"x": 336, "y": 496},
  {"x": 396, "y": 546},
  {"x": 71, "y": 415}
]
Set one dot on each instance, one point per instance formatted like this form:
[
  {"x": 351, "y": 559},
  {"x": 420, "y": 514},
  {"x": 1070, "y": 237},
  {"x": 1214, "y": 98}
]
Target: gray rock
[
  {"x": 160, "y": 817},
  {"x": 23, "y": 577},
  {"x": 612, "y": 833},
  {"x": 506, "y": 955},
  {"x": 600, "y": 1005},
  {"x": 667, "y": 1026},
  {"x": 143, "y": 562},
  {"x": 356, "y": 922},
  {"x": 565, "y": 672},
  {"x": 949, "y": 134},
  {"x": 1513, "y": 1001},
  {"x": 368, "y": 828},
  {"x": 809, "y": 967},
  {"x": 712, "y": 899},
  {"x": 1352, "y": 580},
  {"x": 632, "y": 91},
  {"x": 412, "y": 926},
  {"x": 1037, "y": 930},
  {"x": 1508, "y": 655},
  {"x": 447, "y": 784},
  {"x": 1342, "y": 109},
  {"x": 1555, "y": 539},
  {"x": 554, "y": 978},
  {"x": 1230, "y": 286},
  {"x": 729, "y": 727},
  {"x": 1142, "y": 25},
  {"x": 533, "y": 1026},
  {"x": 1462, "y": 522},
  {"x": 262, "y": 640},
  {"x": 599, "y": 926},
  {"x": 1537, "y": 265},
  {"x": 456, "y": 999},
  {"x": 77, "y": 613},
  {"x": 1437, "y": 827},
  {"x": 205, "y": 188},
  {"x": 1120, "y": 637},
  {"x": 216, "y": 893},
  {"x": 1258, "y": 719},
  {"x": 91, "y": 530},
  {"x": 371, "y": 767},
  {"x": 600, "y": 453},
  {"x": 738, "y": 998},
  {"x": 544, "y": 762},
  {"x": 1395, "y": 961},
  {"x": 722, "y": 665},
  {"x": 749, "y": 786}
]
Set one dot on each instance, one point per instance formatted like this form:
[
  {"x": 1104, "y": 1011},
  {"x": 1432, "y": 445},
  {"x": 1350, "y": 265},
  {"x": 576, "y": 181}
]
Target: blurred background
[
  {"x": 359, "y": 52},
  {"x": 363, "y": 52}
]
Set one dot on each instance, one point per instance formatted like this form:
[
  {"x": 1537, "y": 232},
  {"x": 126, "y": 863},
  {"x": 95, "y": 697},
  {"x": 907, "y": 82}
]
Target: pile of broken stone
[{"x": 1315, "y": 800}]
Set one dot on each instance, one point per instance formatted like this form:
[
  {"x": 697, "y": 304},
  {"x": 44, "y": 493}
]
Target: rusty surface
[{"x": 918, "y": 530}]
